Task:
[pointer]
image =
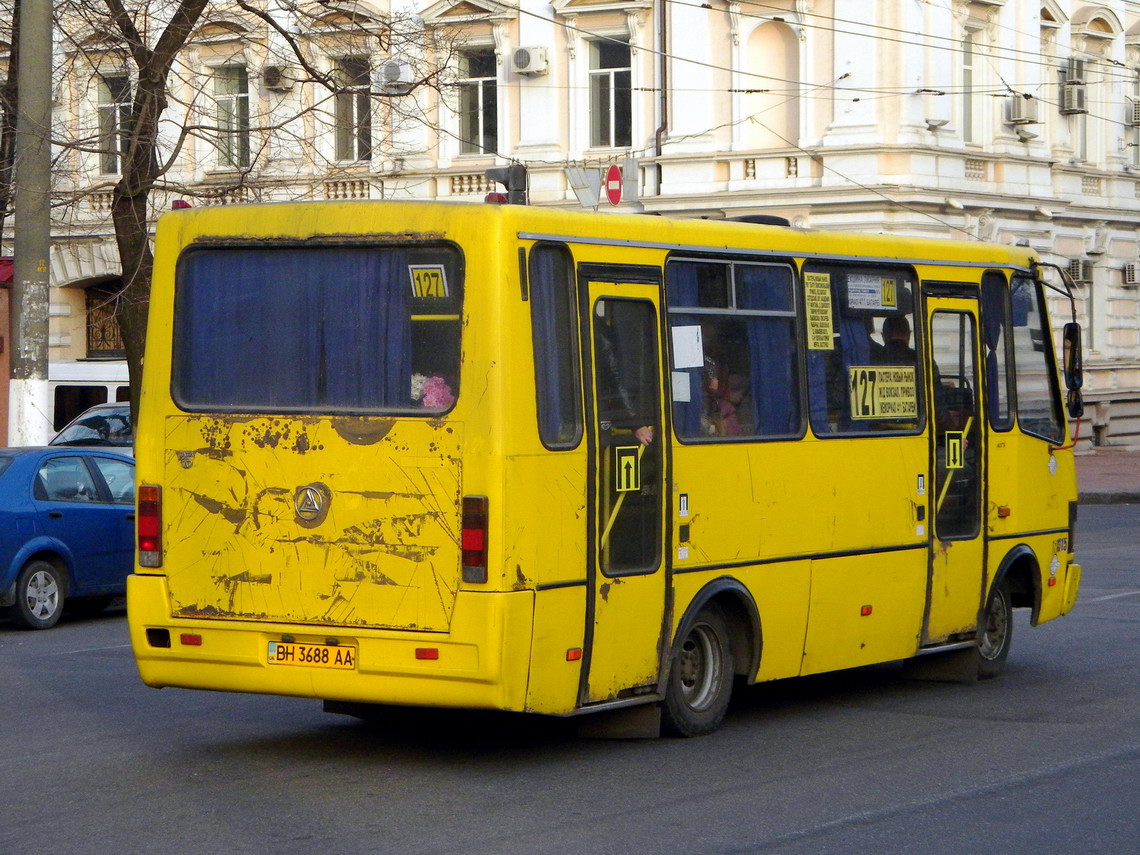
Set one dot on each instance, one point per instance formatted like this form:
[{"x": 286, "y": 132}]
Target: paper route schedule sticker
[{"x": 817, "y": 296}]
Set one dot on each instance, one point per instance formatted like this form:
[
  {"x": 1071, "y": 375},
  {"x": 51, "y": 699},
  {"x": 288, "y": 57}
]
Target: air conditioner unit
[
  {"x": 395, "y": 76},
  {"x": 1022, "y": 110},
  {"x": 1131, "y": 274},
  {"x": 278, "y": 78},
  {"x": 1133, "y": 114},
  {"x": 1081, "y": 270},
  {"x": 1076, "y": 70},
  {"x": 1074, "y": 99},
  {"x": 528, "y": 60}
]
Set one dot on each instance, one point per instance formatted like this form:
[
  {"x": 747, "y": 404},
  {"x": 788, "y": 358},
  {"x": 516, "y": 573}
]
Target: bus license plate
[{"x": 312, "y": 655}]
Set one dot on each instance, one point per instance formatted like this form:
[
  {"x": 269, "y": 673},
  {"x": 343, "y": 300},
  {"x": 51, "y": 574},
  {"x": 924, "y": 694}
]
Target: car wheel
[
  {"x": 700, "y": 677},
  {"x": 39, "y": 596}
]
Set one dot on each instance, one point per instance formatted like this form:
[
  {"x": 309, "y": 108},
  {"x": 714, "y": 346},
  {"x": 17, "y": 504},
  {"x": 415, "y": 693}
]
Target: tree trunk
[{"x": 129, "y": 214}]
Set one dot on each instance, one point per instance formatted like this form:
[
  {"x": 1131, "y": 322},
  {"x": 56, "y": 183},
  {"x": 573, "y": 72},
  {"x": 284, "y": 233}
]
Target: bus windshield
[{"x": 338, "y": 328}]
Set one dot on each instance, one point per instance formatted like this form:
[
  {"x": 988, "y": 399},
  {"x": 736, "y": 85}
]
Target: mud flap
[
  {"x": 639, "y": 722},
  {"x": 955, "y": 666}
]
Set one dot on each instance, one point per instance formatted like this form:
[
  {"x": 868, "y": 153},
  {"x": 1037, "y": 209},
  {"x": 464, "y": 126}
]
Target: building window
[
  {"x": 1134, "y": 133},
  {"x": 970, "y": 98},
  {"x": 103, "y": 338},
  {"x": 478, "y": 102},
  {"x": 231, "y": 95},
  {"x": 114, "y": 121},
  {"x": 353, "y": 109},
  {"x": 611, "y": 103}
]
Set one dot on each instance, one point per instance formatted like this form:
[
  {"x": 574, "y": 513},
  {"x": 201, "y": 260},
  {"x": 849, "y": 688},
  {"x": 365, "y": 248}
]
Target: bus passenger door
[
  {"x": 625, "y": 613},
  {"x": 956, "y": 582}
]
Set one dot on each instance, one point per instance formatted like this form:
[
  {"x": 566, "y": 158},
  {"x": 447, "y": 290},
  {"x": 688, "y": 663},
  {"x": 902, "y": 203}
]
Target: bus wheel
[
  {"x": 995, "y": 633},
  {"x": 700, "y": 678},
  {"x": 39, "y": 596}
]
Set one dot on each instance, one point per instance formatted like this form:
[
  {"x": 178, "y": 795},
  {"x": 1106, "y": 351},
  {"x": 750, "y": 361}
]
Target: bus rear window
[{"x": 303, "y": 329}]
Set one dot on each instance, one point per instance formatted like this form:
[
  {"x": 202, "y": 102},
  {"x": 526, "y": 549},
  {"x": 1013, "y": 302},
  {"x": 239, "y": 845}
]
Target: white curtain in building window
[
  {"x": 353, "y": 109},
  {"x": 231, "y": 97},
  {"x": 478, "y": 102},
  {"x": 114, "y": 120},
  {"x": 611, "y": 99}
]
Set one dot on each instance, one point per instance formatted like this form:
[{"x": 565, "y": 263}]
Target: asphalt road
[{"x": 1045, "y": 759}]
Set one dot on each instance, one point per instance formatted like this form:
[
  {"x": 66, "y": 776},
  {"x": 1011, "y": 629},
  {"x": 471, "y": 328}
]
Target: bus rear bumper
[{"x": 480, "y": 663}]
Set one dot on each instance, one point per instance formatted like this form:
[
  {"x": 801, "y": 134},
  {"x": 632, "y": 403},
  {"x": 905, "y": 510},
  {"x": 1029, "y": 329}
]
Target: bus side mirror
[
  {"x": 1074, "y": 373},
  {"x": 1074, "y": 403}
]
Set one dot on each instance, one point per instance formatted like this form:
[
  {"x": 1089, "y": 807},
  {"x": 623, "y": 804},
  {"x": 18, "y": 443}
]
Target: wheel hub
[{"x": 42, "y": 595}]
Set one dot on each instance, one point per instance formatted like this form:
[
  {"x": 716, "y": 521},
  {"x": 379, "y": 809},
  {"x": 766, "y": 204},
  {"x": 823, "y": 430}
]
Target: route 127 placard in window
[{"x": 882, "y": 393}]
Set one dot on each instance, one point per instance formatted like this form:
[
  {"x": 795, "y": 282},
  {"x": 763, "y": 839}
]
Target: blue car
[{"x": 66, "y": 530}]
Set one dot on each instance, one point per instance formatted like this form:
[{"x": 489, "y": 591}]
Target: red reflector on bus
[
  {"x": 149, "y": 525},
  {"x": 1052, "y": 581},
  {"x": 573, "y": 654},
  {"x": 427, "y": 652},
  {"x": 191, "y": 639},
  {"x": 866, "y": 610}
]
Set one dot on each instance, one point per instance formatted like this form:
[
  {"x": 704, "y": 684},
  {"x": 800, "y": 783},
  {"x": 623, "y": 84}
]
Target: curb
[{"x": 1109, "y": 497}]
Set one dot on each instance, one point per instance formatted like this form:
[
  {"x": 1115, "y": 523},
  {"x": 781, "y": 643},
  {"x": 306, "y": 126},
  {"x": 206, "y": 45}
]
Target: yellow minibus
[{"x": 503, "y": 457}]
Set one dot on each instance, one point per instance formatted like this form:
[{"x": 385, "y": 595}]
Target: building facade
[{"x": 1014, "y": 121}]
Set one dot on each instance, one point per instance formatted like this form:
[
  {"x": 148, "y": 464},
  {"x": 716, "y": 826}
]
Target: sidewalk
[{"x": 1109, "y": 475}]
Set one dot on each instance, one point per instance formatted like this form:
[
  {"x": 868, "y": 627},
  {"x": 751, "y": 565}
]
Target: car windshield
[
  {"x": 5, "y": 462},
  {"x": 102, "y": 427}
]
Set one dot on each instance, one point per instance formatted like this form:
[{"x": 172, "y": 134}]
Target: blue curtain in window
[
  {"x": 682, "y": 291},
  {"x": 293, "y": 329},
  {"x": 993, "y": 324},
  {"x": 771, "y": 349},
  {"x": 367, "y": 333},
  {"x": 828, "y": 369},
  {"x": 555, "y": 366}
]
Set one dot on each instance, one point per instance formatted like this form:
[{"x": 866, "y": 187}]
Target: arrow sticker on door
[
  {"x": 955, "y": 446},
  {"x": 627, "y": 468}
]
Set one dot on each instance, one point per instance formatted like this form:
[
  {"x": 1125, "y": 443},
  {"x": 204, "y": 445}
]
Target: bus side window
[
  {"x": 1038, "y": 396},
  {"x": 863, "y": 369},
  {"x": 557, "y": 375},
  {"x": 996, "y": 341},
  {"x": 735, "y": 360}
]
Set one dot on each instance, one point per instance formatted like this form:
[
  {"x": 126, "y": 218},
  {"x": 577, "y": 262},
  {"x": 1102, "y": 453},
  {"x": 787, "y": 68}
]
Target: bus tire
[
  {"x": 995, "y": 632},
  {"x": 700, "y": 676},
  {"x": 39, "y": 596}
]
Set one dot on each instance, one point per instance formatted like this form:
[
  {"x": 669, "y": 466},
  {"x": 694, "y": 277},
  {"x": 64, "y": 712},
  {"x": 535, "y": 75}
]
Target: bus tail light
[
  {"x": 473, "y": 540},
  {"x": 150, "y": 526}
]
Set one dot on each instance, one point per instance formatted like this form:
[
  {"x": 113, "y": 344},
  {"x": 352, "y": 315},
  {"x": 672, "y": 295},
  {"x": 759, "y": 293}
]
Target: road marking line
[
  {"x": 89, "y": 650},
  {"x": 1112, "y": 597}
]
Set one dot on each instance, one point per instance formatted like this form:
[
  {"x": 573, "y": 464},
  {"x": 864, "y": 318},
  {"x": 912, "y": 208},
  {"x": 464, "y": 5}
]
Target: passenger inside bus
[
  {"x": 723, "y": 389},
  {"x": 896, "y": 349},
  {"x": 623, "y": 402}
]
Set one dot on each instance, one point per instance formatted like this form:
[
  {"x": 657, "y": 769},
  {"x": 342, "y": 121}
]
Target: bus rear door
[{"x": 627, "y": 578}]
